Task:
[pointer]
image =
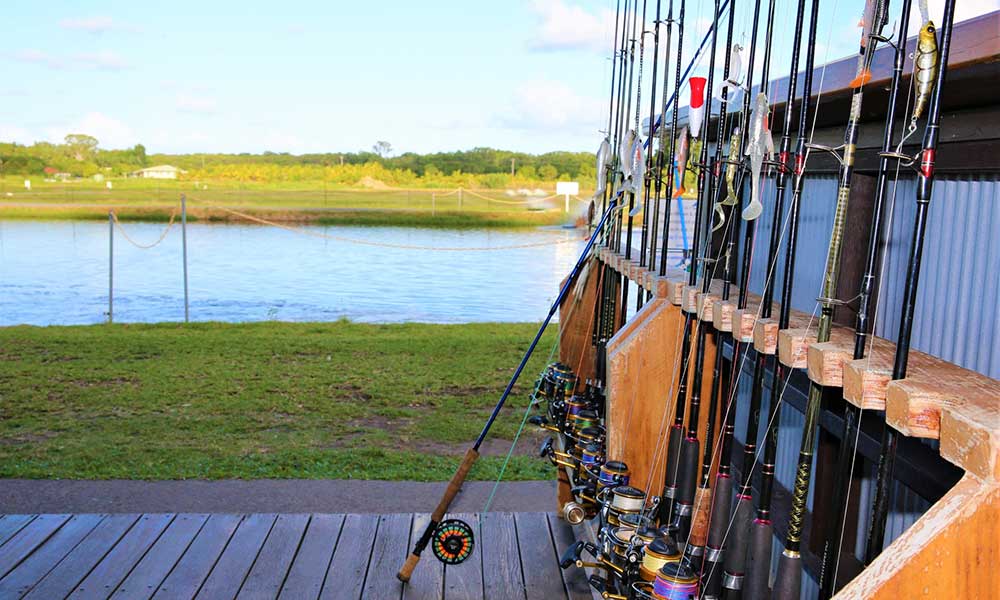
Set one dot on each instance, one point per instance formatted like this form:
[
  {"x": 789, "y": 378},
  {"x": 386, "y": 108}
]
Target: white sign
[
  {"x": 108, "y": 185},
  {"x": 567, "y": 188},
  {"x": 27, "y": 184}
]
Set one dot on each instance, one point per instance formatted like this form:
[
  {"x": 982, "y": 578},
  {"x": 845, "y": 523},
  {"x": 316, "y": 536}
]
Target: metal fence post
[
  {"x": 459, "y": 199},
  {"x": 184, "y": 253},
  {"x": 111, "y": 266},
  {"x": 433, "y": 203}
]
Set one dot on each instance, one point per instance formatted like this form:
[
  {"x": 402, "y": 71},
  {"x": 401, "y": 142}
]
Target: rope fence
[{"x": 129, "y": 239}]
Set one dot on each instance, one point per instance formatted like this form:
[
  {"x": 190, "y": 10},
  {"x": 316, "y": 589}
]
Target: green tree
[
  {"x": 547, "y": 172},
  {"x": 382, "y": 148},
  {"x": 81, "y": 145}
]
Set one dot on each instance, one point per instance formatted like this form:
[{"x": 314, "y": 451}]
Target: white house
[{"x": 159, "y": 172}]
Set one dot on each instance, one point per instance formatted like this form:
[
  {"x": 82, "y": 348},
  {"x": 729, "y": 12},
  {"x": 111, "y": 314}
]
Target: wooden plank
[
  {"x": 349, "y": 565},
  {"x": 43, "y": 559},
  {"x": 388, "y": 553},
  {"x": 428, "y": 579},
  {"x": 575, "y": 580},
  {"x": 197, "y": 561},
  {"x": 229, "y": 572},
  {"x": 11, "y": 524},
  {"x": 27, "y": 539},
  {"x": 308, "y": 572},
  {"x": 275, "y": 557},
  {"x": 466, "y": 580},
  {"x": 62, "y": 579},
  {"x": 116, "y": 564},
  {"x": 502, "y": 577},
  {"x": 542, "y": 579},
  {"x": 147, "y": 576}
]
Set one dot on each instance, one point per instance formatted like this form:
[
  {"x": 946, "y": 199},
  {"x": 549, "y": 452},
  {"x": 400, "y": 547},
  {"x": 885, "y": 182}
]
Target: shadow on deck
[{"x": 277, "y": 556}]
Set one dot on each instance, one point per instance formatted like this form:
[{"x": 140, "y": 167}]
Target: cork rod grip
[{"x": 450, "y": 492}]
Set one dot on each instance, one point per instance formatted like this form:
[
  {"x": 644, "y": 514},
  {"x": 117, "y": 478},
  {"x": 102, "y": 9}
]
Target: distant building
[{"x": 159, "y": 172}]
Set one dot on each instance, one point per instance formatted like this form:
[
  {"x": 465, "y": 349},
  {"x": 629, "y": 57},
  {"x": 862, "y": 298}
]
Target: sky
[{"x": 334, "y": 76}]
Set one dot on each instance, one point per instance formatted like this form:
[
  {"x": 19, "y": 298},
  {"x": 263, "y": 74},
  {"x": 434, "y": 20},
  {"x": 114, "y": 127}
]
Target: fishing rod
[
  {"x": 789, "y": 578},
  {"x": 761, "y": 538},
  {"x": 472, "y": 453},
  {"x": 634, "y": 152},
  {"x": 758, "y": 560},
  {"x": 698, "y": 539},
  {"x": 665, "y": 509},
  {"x": 687, "y": 470},
  {"x": 928, "y": 58},
  {"x": 756, "y": 141},
  {"x": 721, "y": 378},
  {"x": 852, "y": 414},
  {"x": 647, "y": 183}
]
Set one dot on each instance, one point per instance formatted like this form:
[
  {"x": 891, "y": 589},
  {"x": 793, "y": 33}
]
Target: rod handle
[
  {"x": 407, "y": 571},
  {"x": 455, "y": 484},
  {"x": 788, "y": 582},
  {"x": 699, "y": 521},
  {"x": 755, "y": 586}
]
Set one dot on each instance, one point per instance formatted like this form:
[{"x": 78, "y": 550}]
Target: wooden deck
[{"x": 329, "y": 556}]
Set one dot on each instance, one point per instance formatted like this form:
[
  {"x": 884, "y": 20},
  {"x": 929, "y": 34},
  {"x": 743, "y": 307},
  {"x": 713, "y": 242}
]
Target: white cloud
[
  {"x": 110, "y": 132},
  {"x": 97, "y": 24},
  {"x": 190, "y": 103},
  {"x": 103, "y": 60},
  {"x": 552, "y": 106},
  {"x": 565, "y": 26}
]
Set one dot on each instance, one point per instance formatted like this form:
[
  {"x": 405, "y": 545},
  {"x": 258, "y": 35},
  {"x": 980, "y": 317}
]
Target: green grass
[
  {"x": 143, "y": 200},
  {"x": 261, "y": 400}
]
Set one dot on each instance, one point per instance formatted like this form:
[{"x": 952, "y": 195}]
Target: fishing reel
[{"x": 453, "y": 541}]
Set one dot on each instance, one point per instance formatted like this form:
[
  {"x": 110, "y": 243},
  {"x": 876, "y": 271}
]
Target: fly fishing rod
[
  {"x": 928, "y": 58},
  {"x": 852, "y": 415},
  {"x": 757, "y": 141},
  {"x": 472, "y": 453},
  {"x": 758, "y": 560},
  {"x": 788, "y": 581},
  {"x": 761, "y": 537},
  {"x": 687, "y": 469}
]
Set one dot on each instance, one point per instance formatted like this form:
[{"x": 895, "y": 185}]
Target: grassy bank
[
  {"x": 141, "y": 200},
  {"x": 262, "y": 400}
]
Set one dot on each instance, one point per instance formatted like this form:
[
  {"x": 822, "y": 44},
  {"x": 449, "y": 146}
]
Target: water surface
[{"x": 57, "y": 273}]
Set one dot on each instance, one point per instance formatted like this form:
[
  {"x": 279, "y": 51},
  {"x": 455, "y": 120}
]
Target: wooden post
[{"x": 111, "y": 266}]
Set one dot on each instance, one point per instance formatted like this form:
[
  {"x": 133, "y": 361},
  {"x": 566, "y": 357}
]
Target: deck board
[
  {"x": 150, "y": 572},
  {"x": 577, "y": 587},
  {"x": 231, "y": 570},
  {"x": 31, "y": 536},
  {"x": 119, "y": 561},
  {"x": 190, "y": 572},
  {"x": 502, "y": 576},
  {"x": 275, "y": 558},
  {"x": 388, "y": 554},
  {"x": 62, "y": 579},
  {"x": 349, "y": 565},
  {"x": 466, "y": 580},
  {"x": 330, "y": 556},
  {"x": 308, "y": 571},
  {"x": 428, "y": 580},
  {"x": 42, "y": 560},
  {"x": 542, "y": 579}
]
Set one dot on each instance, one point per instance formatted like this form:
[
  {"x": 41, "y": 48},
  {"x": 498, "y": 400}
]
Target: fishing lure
[
  {"x": 875, "y": 17},
  {"x": 732, "y": 85},
  {"x": 925, "y": 67},
  {"x": 761, "y": 144},
  {"x": 733, "y": 160},
  {"x": 638, "y": 175},
  {"x": 696, "y": 114},
  {"x": 603, "y": 154},
  {"x": 730, "y": 199},
  {"x": 681, "y": 159}
]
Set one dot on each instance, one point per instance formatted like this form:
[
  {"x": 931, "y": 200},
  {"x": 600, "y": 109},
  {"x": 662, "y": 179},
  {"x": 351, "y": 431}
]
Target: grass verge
[{"x": 261, "y": 400}]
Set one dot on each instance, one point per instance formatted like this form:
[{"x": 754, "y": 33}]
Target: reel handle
[{"x": 571, "y": 555}]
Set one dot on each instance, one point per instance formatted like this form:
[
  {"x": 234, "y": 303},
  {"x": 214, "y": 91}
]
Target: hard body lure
[
  {"x": 761, "y": 144},
  {"x": 681, "y": 159},
  {"x": 696, "y": 113},
  {"x": 874, "y": 19},
  {"x": 732, "y": 85},
  {"x": 925, "y": 67}
]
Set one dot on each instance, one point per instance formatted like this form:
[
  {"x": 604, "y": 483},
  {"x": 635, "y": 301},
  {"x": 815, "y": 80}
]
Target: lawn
[
  {"x": 261, "y": 400},
  {"x": 138, "y": 199}
]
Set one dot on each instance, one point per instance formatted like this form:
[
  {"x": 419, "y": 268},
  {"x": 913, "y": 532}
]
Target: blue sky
[{"x": 308, "y": 76}]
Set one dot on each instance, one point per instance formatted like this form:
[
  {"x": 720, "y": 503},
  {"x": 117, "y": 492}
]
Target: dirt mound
[{"x": 372, "y": 183}]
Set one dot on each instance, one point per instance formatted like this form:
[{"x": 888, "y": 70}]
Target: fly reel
[{"x": 453, "y": 541}]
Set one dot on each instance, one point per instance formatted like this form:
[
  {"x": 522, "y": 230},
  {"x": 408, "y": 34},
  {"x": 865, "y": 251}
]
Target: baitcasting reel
[{"x": 453, "y": 541}]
